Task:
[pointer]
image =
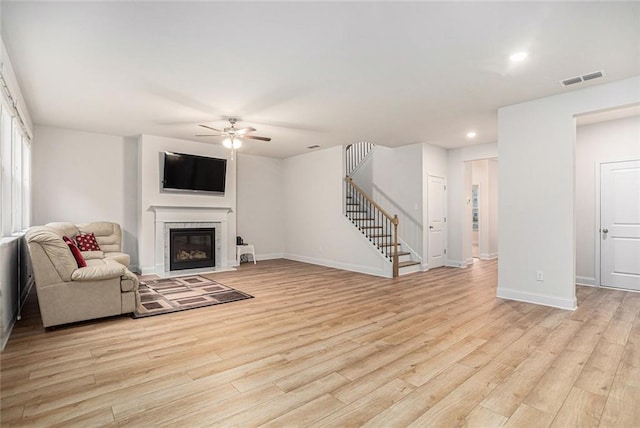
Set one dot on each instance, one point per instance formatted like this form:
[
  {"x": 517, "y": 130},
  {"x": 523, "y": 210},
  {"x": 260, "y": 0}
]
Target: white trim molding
[
  {"x": 489, "y": 256},
  {"x": 186, "y": 214},
  {"x": 269, "y": 256},
  {"x": 388, "y": 273},
  {"x": 456, "y": 263},
  {"x": 538, "y": 299},
  {"x": 586, "y": 280}
]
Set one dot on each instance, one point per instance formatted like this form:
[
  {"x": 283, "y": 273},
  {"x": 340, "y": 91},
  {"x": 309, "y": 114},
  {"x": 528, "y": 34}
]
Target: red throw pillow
[
  {"x": 87, "y": 242},
  {"x": 76, "y": 252}
]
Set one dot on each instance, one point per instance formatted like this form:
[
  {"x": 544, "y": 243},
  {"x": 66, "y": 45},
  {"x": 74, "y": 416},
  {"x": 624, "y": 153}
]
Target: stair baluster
[
  {"x": 355, "y": 154},
  {"x": 373, "y": 221}
]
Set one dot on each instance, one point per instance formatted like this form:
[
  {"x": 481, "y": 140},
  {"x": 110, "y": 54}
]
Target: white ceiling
[{"x": 308, "y": 73}]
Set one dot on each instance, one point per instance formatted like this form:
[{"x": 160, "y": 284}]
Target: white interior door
[
  {"x": 620, "y": 224},
  {"x": 437, "y": 221}
]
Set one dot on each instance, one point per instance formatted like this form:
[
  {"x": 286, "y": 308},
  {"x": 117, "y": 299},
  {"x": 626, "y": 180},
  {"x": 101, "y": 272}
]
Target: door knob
[
  {"x": 430, "y": 227},
  {"x": 605, "y": 230}
]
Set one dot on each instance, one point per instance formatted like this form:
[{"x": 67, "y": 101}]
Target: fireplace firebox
[{"x": 192, "y": 248}]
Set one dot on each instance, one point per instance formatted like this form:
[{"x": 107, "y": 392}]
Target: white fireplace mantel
[{"x": 187, "y": 214}]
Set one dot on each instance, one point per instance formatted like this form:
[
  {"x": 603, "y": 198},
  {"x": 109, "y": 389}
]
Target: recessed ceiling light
[
  {"x": 518, "y": 56},
  {"x": 471, "y": 134}
]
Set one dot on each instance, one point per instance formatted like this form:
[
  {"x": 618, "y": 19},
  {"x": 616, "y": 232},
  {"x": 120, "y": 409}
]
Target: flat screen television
[{"x": 183, "y": 172}]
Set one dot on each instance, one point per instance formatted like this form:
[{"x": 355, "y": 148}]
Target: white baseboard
[
  {"x": 147, "y": 270},
  {"x": 338, "y": 265},
  {"x": 586, "y": 280},
  {"x": 269, "y": 256},
  {"x": 153, "y": 271},
  {"x": 538, "y": 299},
  {"x": 456, "y": 263},
  {"x": 488, "y": 256},
  {"x": 7, "y": 333}
]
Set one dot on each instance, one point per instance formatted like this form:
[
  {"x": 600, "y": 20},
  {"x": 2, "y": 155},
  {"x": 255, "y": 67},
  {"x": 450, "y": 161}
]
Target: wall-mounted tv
[{"x": 183, "y": 172}]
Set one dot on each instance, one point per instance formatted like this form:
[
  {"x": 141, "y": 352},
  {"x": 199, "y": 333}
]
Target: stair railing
[
  {"x": 409, "y": 229},
  {"x": 355, "y": 154},
  {"x": 375, "y": 223}
]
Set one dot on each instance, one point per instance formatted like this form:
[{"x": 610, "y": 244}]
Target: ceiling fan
[{"x": 232, "y": 134}]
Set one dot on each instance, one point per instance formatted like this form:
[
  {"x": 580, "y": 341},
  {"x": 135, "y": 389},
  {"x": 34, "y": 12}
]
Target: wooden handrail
[
  {"x": 389, "y": 220},
  {"x": 394, "y": 219},
  {"x": 396, "y": 264}
]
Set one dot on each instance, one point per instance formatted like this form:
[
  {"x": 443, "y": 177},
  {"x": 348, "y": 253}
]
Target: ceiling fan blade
[
  {"x": 245, "y": 130},
  {"x": 209, "y": 135},
  {"x": 208, "y": 127},
  {"x": 255, "y": 137}
]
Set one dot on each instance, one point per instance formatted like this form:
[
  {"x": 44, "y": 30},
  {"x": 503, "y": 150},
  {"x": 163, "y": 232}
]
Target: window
[
  {"x": 5, "y": 162},
  {"x": 26, "y": 183},
  {"x": 15, "y": 172},
  {"x": 16, "y": 206}
]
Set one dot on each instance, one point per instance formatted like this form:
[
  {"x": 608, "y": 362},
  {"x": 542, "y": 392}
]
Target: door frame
[
  {"x": 425, "y": 265},
  {"x": 597, "y": 238}
]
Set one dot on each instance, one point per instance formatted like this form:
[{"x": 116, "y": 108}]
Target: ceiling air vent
[
  {"x": 583, "y": 78},
  {"x": 593, "y": 75}
]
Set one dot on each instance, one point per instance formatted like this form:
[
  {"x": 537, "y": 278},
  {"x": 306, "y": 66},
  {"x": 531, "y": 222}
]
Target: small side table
[{"x": 246, "y": 249}]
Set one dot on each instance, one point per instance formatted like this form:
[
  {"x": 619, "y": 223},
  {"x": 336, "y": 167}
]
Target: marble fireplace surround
[{"x": 180, "y": 217}]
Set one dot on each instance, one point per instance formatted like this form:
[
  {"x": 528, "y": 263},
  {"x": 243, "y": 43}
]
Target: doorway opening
[
  {"x": 607, "y": 199},
  {"x": 482, "y": 213}
]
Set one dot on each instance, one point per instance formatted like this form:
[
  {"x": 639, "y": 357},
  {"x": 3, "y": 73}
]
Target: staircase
[{"x": 376, "y": 224}]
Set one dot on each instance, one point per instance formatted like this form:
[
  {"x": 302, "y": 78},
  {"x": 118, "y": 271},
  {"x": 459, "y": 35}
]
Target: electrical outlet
[{"x": 539, "y": 275}]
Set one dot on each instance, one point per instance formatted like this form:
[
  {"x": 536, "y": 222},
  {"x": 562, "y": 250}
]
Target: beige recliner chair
[{"x": 67, "y": 293}]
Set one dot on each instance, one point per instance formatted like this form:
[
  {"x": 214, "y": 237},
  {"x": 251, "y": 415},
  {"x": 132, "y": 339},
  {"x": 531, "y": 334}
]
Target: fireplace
[{"x": 192, "y": 248}]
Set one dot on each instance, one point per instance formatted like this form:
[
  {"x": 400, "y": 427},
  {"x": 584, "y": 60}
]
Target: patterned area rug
[{"x": 161, "y": 296}]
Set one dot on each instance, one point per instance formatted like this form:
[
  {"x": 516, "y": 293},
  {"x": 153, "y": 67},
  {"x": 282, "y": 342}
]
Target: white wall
[
  {"x": 393, "y": 178},
  {"x": 599, "y": 142},
  {"x": 12, "y": 82},
  {"x": 397, "y": 176},
  {"x": 316, "y": 230},
  {"x": 81, "y": 177},
  {"x": 459, "y": 200},
  {"x": 150, "y": 149},
  {"x": 261, "y": 204},
  {"x": 536, "y": 143}
]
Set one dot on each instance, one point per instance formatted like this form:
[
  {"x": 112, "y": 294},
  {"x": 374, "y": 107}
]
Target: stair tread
[
  {"x": 408, "y": 263},
  {"x": 401, "y": 253}
]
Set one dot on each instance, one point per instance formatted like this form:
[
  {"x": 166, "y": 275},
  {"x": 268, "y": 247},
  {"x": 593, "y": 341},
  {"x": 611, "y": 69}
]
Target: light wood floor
[{"x": 323, "y": 347}]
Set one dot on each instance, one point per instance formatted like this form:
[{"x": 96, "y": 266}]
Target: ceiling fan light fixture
[
  {"x": 232, "y": 143},
  {"x": 518, "y": 56},
  {"x": 232, "y": 135}
]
